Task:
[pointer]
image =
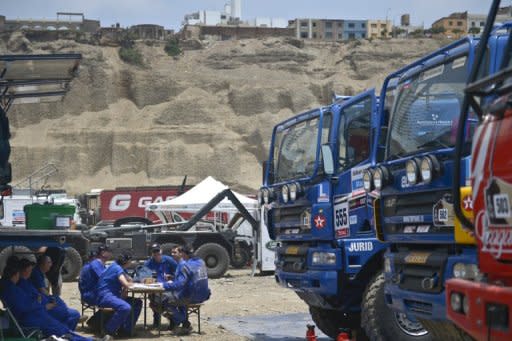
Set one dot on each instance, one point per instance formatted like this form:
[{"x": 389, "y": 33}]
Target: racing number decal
[
  {"x": 341, "y": 221},
  {"x": 501, "y": 206}
]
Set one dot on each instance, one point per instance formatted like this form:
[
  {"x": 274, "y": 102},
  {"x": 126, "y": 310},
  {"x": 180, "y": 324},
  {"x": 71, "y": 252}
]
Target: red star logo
[
  {"x": 319, "y": 222},
  {"x": 468, "y": 203}
]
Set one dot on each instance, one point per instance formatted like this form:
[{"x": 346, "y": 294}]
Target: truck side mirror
[{"x": 328, "y": 161}]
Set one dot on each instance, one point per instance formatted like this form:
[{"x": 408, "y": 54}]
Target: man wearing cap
[
  {"x": 54, "y": 306},
  {"x": 27, "y": 311},
  {"x": 164, "y": 266},
  {"x": 90, "y": 275},
  {"x": 112, "y": 286}
]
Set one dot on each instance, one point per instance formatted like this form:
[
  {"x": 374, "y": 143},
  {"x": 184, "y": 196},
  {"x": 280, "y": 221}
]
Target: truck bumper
[
  {"x": 423, "y": 305},
  {"x": 324, "y": 283},
  {"x": 486, "y": 303}
]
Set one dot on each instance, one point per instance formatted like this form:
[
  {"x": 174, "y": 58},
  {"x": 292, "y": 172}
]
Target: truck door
[{"x": 354, "y": 154}]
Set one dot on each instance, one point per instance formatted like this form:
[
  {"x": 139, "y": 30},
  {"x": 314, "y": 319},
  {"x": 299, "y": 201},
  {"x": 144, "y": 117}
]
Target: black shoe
[
  {"x": 172, "y": 325},
  {"x": 186, "y": 324}
]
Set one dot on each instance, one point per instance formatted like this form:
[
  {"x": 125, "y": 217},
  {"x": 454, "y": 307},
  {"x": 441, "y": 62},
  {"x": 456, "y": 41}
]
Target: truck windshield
[
  {"x": 427, "y": 107},
  {"x": 295, "y": 148}
]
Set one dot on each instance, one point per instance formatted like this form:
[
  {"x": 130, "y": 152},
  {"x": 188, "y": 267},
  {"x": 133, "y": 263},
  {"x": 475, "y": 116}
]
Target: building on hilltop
[
  {"x": 355, "y": 29},
  {"x": 149, "y": 32},
  {"x": 317, "y": 29},
  {"x": 65, "y": 21},
  {"x": 379, "y": 29},
  {"x": 453, "y": 26}
]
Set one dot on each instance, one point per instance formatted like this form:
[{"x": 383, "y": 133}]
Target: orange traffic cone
[
  {"x": 344, "y": 335},
  {"x": 310, "y": 333}
]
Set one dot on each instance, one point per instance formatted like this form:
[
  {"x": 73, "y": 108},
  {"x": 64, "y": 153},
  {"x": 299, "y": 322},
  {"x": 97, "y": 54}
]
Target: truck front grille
[{"x": 420, "y": 272}]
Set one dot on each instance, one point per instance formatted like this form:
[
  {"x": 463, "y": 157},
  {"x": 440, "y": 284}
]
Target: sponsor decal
[
  {"x": 413, "y": 219},
  {"x": 356, "y": 175},
  {"x": 360, "y": 246},
  {"x": 323, "y": 195},
  {"x": 409, "y": 229},
  {"x": 319, "y": 221},
  {"x": 423, "y": 229},
  {"x": 353, "y": 219},
  {"x": 271, "y": 245},
  {"x": 404, "y": 183},
  {"x": 18, "y": 217},
  {"x": 467, "y": 203},
  {"x": 122, "y": 202},
  {"x": 417, "y": 257},
  {"x": 356, "y": 203}
]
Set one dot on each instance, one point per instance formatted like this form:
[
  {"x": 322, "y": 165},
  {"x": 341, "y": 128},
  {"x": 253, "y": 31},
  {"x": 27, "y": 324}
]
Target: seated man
[
  {"x": 61, "y": 312},
  {"x": 112, "y": 292},
  {"x": 164, "y": 266},
  {"x": 28, "y": 312},
  {"x": 189, "y": 286},
  {"x": 90, "y": 275}
]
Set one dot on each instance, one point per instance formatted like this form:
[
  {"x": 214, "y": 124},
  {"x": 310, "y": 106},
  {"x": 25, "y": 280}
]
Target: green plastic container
[{"x": 48, "y": 216}]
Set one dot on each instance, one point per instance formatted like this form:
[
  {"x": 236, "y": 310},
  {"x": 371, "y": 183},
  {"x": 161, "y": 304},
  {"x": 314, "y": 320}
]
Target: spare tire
[
  {"x": 20, "y": 251},
  {"x": 215, "y": 257},
  {"x": 72, "y": 265}
]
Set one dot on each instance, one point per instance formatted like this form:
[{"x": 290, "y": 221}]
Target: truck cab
[
  {"x": 414, "y": 210},
  {"x": 482, "y": 306},
  {"x": 318, "y": 211}
]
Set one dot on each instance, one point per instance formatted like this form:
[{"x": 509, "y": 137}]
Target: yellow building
[
  {"x": 453, "y": 26},
  {"x": 379, "y": 28}
]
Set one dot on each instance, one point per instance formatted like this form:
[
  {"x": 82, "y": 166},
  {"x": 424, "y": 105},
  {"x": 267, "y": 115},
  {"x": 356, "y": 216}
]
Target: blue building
[{"x": 354, "y": 29}]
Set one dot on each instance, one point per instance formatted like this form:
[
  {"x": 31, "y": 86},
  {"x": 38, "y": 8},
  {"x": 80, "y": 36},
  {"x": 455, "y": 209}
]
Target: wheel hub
[{"x": 409, "y": 327}]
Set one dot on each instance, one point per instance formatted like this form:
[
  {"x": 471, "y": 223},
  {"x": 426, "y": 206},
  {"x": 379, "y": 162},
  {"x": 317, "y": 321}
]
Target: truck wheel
[
  {"x": 383, "y": 324},
  {"x": 20, "y": 251},
  {"x": 330, "y": 321},
  {"x": 215, "y": 257},
  {"x": 72, "y": 265},
  {"x": 167, "y": 248},
  {"x": 240, "y": 258}
]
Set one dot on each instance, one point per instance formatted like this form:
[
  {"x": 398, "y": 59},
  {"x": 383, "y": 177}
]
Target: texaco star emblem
[{"x": 319, "y": 222}]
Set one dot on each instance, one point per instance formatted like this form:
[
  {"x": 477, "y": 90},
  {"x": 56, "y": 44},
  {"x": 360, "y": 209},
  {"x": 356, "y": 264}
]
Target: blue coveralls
[
  {"x": 189, "y": 286},
  {"x": 61, "y": 312},
  {"x": 88, "y": 283},
  {"x": 167, "y": 266},
  {"x": 31, "y": 314},
  {"x": 109, "y": 296}
]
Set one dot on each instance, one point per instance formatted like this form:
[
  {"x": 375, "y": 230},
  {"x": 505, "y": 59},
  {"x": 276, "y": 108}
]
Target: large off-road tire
[
  {"x": 215, "y": 257},
  {"x": 330, "y": 321},
  {"x": 240, "y": 258},
  {"x": 20, "y": 251},
  {"x": 72, "y": 265},
  {"x": 167, "y": 248},
  {"x": 380, "y": 323},
  {"x": 444, "y": 330}
]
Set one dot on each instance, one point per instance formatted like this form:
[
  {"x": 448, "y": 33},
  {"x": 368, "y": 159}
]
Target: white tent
[{"x": 198, "y": 196}]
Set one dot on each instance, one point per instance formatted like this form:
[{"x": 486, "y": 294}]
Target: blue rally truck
[
  {"x": 319, "y": 213},
  {"x": 414, "y": 209},
  {"x": 33, "y": 79}
]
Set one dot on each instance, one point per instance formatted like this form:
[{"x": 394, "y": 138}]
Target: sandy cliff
[{"x": 209, "y": 112}]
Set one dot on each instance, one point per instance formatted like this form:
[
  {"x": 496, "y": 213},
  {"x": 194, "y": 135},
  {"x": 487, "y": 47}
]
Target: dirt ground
[{"x": 237, "y": 294}]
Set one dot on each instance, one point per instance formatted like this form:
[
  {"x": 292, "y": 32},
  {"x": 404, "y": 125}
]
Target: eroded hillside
[{"x": 209, "y": 112}]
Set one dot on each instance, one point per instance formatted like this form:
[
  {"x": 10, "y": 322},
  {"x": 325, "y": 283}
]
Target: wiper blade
[{"x": 433, "y": 143}]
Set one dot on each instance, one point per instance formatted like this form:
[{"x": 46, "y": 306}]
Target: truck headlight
[
  {"x": 285, "y": 193},
  {"x": 323, "y": 258},
  {"x": 266, "y": 194},
  {"x": 426, "y": 169},
  {"x": 294, "y": 189},
  {"x": 465, "y": 304},
  {"x": 466, "y": 271},
  {"x": 456, "y": 301},
  {"x": 387, "y": 265},
  {"x": 367, "y": 180},
  {"x": 411, "y": 169}
]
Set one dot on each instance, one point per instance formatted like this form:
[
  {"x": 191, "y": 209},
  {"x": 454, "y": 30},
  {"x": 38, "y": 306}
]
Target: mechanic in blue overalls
[
  {"x": 90, "y": 275},
  {"x": 29, "y": 312},
  {"x": 189, "y": 287},
  {"x": 112, "y": 293},
  {"x": 165, "y": 267},
  {"x": 61, "y": 312}
]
